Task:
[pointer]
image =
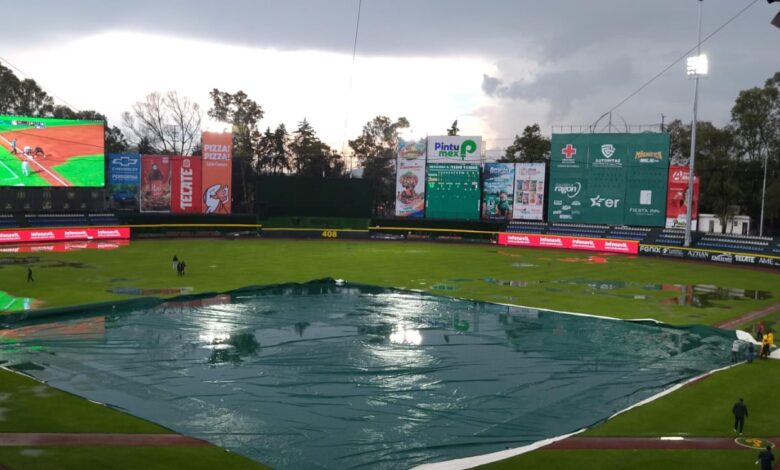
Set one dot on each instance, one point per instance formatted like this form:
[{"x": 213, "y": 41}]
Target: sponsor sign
[
  {"x": 572, "y": 243},
  {"x": 155, "y": 183},
  {"x": 453, "y": 192},
  {"x": 711, "y": 255},
  {"x": 410, "y": 179},
  {"x": 217, "y": 189},
  {"x": 497, "y": 194},
  {"x": 124, "y": 178},
  {"x": 529, "y": 191},
  {"x": 53, "y": 235},
  {"x": 185, "y": 185},
  {"x": 677, "y": 198},
  {"x": 454, "y": 149}
]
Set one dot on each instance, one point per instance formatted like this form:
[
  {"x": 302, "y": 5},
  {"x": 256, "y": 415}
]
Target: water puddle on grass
[{"x": 696, "y": 295}]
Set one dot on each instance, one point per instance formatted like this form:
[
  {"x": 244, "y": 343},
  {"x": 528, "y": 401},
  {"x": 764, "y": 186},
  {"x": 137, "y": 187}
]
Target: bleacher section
[
  {"x": 8, "y": 221},
  {"x": 578, "y": 230},
  {"x": 57, "y": 220},
  {"x": 104, "y": 219},
  {"x": 670, "y": 236},
  {"x": 734, "y": 243},
  {"x": 628, "y": 233},
  {"x": 524, "y": 226}
]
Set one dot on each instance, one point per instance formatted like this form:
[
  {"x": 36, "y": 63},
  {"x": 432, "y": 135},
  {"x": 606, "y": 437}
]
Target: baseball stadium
[{"x": 502, "y": 315}]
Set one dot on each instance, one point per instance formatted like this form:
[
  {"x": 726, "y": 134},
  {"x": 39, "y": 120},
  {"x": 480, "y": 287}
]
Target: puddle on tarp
[
  {"x": 697, "y": 295},
  {"x": 151, "y": 291},
  {"x": 326, "y": 376}
]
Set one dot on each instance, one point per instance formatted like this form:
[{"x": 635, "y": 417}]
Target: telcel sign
[{"x": 454, "y": 149}]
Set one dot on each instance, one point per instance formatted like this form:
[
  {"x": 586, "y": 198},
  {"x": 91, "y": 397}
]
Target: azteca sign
[
  {"x": 454, "y": 149},
  {"x": 569, "y": 243}
]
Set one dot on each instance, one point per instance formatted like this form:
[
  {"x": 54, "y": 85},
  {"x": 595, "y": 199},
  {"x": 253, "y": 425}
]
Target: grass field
[
  {"x": 618, "y": 286},
  {"x": 11, "y": 172},
  {"x": 85, "y": 171}
]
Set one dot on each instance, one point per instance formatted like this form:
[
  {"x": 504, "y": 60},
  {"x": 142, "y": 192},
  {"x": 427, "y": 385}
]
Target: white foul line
[
  {"x": 41, "y": 166},
  {"x": 9, "y": 169}
]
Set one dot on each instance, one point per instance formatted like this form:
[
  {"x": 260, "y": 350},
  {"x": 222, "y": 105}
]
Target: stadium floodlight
[{"x": 698, "y": 66}]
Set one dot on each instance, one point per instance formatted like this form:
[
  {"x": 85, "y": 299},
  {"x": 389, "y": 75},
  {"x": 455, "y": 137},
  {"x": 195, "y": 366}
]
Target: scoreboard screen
[{"x": 452, "y": 192}]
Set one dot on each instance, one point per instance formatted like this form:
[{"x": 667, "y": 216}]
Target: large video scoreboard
[{"x": 452, "y": 191}]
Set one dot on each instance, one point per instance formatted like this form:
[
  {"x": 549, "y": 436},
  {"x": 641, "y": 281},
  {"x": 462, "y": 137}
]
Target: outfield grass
[
  {"x": 86, "y": 170},
  {"x": 622, "y": 287},
  {"x": 11, "y": 171}
]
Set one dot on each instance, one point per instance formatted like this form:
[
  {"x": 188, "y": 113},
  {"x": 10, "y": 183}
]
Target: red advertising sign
[
  {"x": 63, "y": 234},
  {"x": 155, "y": 183},
  {"x": 185, "y": 185},
  {"x": 677, "y": 197},
  {"x": 569, "y": 243},
  {"x": 217, "y": 190}
]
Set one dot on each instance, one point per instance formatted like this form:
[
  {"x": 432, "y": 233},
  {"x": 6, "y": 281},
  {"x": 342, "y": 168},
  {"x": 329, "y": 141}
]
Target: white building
[{"x": 736, "y": 225}]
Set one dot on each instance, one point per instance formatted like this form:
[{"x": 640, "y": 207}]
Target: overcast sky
[{"x": 495, "y": 65}]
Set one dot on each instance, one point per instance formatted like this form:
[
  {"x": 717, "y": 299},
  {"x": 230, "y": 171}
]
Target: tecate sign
[{"x": 572, "y": 243}]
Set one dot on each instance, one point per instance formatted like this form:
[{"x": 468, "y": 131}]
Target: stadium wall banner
[
  {"x": 65, "y": 234},
  {"x": 453, "y": 191},
  {"x": 155, "y": 183},
  {"x": 124, "y": 171},
  {"x": 62, "y": 247},
  {"x": 498, "y": 181},
  {"x": 569, "y": 243},
  {"x": 217, "y": 173},
  {"x": 723, "y": 257},
  {"x": 454, "y": 149},
  {"x": 613, "y": 179},
  {"x": 410, "y": 179},
  {"x": 677, "y": 198},
  {"x": 185, "y": 185},
  {"x": 529, "y": 191}
]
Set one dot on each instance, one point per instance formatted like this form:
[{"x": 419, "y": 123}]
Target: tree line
[{"x": 731, "y": 160}]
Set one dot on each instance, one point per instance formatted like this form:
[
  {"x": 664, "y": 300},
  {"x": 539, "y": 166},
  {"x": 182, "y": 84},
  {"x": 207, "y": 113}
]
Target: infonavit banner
[
  {"x": 455, "y": 149},
  {"x": 498, "y": 181},
  {"x": 529, "y": 191},
  {"x": 410, "y": 179}
]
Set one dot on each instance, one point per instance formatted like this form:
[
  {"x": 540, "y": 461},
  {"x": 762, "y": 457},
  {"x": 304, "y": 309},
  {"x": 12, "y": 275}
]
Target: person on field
[
  {"x": 759, "y": 331},
  {"x": 13, "y": 146},
  {"x": 175, "y": 262},
  {"x": 25, "y": 168},
  {"x": 29, "y": 275},
  {"x": 179, "y": 268},
  {"x": 750, "y": 351},
  {"x": 765, "y": 458},
  {"x": 765, "y": 348},
  {"x": 734, "y": 351},
  {"x": 740, "y": 412}
]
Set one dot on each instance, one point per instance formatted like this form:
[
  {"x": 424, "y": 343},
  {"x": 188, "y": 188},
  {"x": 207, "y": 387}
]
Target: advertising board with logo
[
  {"x": 497, "y": 191},
  {"x": 410, "y": 179},
  {"x": 124, "y": 171},
  {"x": 155, "y": 191},
  {"x": 185, "y": 184},
  {"x": 569, "y": 243},
  {"x": 677, "y": 198},
  {"x": 454, "y": 149},
  {"x": 621, "y": 178},
  {"x": 56, "y": 235},
  {"x": 529, "y": 191},
  {"x": 722, "y": 257},
  {"x": 217, "y": 188}
]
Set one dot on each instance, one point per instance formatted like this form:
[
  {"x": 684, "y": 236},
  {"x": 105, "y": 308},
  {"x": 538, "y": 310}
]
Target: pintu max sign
[{"x": 454, "y": 149}]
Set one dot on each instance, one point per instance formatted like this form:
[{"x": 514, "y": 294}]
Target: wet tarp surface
[{"x": 327, "y": 376}]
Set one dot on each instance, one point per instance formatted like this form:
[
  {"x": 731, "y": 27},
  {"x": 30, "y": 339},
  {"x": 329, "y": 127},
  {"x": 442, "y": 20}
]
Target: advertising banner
[
  {"x": 455, "y": 149},
  {"x": 677, "y": 198},
  {"x": 410, "y": 179},
  {"x": 124, "y": 178},
  {"x": 65, "y": 234},
  {"x": 185, "y": 184},
  {"x": 710, "y": 255},
  {"x": 453, "y": 192},
  {"x": 529, "y": 191},
  {"x": 612, "y": 179},
  {"x": 498, "y": 182},
  {"x": 155, "y": 183},
  {"x": 217, "y": 174},
  {"x": 569, "y": 243}
]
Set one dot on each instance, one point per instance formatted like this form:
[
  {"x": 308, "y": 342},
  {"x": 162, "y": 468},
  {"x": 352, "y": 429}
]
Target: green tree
[
  {"x": 311, "y": 156},
  {"x": 531, "y": 147},
  {"x": 244, "y": 115},
  {"x": 22, "y": 97},
  {"x": 375, "y": 150},
  {"x": 453, "y": 130},
  {"x": 274, "y": 155},
  {"x": 717, "y": 167}
]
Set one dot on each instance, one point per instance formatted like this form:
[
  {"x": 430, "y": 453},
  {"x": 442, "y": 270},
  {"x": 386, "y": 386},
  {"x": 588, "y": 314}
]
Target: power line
[
  {"x": 351, "y": 75},
  {"x": 3, "y": 59},
  {"x": 676, "y": 61}
]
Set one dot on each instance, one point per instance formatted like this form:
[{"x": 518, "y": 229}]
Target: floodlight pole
[{"x": 692, "y": 160}]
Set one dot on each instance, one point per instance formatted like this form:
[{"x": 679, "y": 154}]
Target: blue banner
[{"x": 124, "y": 178}]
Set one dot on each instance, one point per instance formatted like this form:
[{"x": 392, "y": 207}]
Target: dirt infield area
[{"x": 59, "y": 143}]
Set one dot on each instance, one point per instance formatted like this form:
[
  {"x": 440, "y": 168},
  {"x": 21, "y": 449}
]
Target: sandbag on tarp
[{"x": 322, "y": 375}]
